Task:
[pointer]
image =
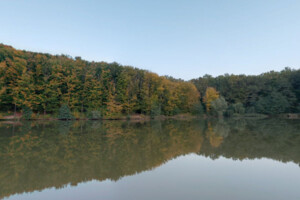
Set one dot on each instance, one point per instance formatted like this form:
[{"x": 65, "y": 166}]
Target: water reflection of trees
[{"x": 38, "y": 155}]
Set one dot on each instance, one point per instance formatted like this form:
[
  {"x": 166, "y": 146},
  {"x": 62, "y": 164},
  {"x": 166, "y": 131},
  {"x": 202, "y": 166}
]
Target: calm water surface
[{"x": 157, "y": 160}]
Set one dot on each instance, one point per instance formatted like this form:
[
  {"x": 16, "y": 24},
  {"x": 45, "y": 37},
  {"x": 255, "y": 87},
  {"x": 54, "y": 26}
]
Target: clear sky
[{"x": 182, "y": 38}]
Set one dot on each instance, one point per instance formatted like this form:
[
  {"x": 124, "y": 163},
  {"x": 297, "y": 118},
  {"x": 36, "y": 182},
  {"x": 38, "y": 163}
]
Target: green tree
[
  {"x": 27, "y": 113},
  {"x": 65, "y": 113},
  {"x": 197, "y": 109},
  {"x": 219, "y": 106},
  {"x": 273, "y": 103}
]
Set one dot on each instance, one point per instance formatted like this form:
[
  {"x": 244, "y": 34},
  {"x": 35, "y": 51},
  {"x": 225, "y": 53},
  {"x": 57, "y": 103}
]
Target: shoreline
[
  {"x": 136, "y": 117},
  {"x": 140, "y": 117}
]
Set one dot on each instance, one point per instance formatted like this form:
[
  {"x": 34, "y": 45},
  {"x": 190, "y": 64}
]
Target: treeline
[
  {"x": 269, "y": 93},
  {"x": 44, "y": 83},
  {"x": 65, "y": 86}
]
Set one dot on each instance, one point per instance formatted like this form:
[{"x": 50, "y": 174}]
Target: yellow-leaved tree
[{"x": 210, "y": 95}]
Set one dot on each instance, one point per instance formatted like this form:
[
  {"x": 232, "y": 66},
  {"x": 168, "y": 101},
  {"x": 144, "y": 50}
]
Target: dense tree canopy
[
  {"x": 44, "y": 83},
  {"x": 268, "y": 93}
]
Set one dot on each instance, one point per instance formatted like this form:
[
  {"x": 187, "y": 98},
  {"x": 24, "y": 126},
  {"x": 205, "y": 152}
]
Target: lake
[{"x": 156, "y": 160}]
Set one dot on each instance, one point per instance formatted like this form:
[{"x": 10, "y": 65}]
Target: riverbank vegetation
[{"x": 44, "y": 86}]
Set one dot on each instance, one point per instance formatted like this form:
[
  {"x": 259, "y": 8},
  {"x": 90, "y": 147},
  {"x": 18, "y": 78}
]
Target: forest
[
  {"x": 39, "y": 84},
  {"x": 44, "y": 83},
  {"x": 269, "y": 93}
]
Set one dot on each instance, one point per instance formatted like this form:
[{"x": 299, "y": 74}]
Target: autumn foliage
[{"x": 44, "y": 83}]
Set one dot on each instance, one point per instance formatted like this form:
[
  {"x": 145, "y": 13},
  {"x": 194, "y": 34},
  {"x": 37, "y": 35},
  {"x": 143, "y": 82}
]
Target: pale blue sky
[{"x": 182, "y": 38}]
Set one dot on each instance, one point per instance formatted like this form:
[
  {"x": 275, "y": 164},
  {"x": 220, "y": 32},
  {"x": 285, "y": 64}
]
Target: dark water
[{"x": 236, "y": 159}]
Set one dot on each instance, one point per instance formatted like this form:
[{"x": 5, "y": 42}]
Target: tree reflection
[{"x": 39, "y": 155}]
